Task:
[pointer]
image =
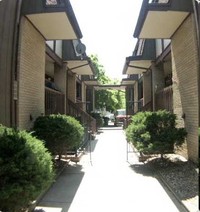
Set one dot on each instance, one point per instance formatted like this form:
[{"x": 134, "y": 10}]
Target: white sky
[{"x": 107, "y": 27}]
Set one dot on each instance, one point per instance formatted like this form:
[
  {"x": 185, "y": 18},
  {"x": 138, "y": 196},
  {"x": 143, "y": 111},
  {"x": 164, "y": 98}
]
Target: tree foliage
[{"x": 111, "y": 99}]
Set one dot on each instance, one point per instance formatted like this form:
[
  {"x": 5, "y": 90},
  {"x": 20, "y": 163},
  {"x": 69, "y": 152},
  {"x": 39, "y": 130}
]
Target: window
[
  {"x": 78, "y": 91},
  {"x": 161, "y": 45},
  {"x": 56, "y": 46},
  {"x": 140, "y": 47}
]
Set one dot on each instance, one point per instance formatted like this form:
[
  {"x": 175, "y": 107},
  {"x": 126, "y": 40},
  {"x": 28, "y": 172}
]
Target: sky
[{"x": 107, "y": 27}]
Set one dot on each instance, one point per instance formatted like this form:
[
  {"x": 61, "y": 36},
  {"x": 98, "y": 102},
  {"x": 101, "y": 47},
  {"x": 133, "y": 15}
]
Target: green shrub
[
  {"x": 26, "y": 168},
  {"x": 59, "y": 132},
  {"x": 155, "y": 132}
]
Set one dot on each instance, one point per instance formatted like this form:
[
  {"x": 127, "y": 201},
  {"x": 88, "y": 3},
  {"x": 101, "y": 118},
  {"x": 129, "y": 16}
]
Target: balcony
[
  {"x": 143, "y": 54},
  {"x": 75, "y": 57},
  {"x": 54, "y": 19},
  {"x": 89, "y": 80},
  {"x": 164, "y": 99},
  {"x": 129, "y": 80},
  {"x": 54, "y": 101},
  {"x": 161, "y": 18}
]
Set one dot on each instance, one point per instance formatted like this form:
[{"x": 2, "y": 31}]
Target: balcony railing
[
  {"x": 147, "y": 107},
  {"x": 54, "y": 101},
  {"x": 164, "y": 99}
]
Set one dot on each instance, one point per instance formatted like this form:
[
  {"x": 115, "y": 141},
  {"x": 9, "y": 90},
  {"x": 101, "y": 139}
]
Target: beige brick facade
[
  {"x": 31, "y": 69},
  {"x": 185, "y": 66}
]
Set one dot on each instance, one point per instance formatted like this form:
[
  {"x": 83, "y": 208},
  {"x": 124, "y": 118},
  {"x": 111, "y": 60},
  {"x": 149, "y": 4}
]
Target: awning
[
  {"x": 81, "y": 67},
  {"x": 55, "y": 19},
  {"x": 130, "y": 80},
  {"x": 111, "y": 87},
  {"x": 144, "y": 54},
  {"x": 160, "y": 19}
]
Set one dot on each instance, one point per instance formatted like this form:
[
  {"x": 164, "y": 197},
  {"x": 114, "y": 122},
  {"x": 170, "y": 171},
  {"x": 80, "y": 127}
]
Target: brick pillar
[
  {"x": 60, "y": 78},
  {"x": 147, "y": 87}
]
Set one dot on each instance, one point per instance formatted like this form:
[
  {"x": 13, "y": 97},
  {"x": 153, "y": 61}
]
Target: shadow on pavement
[
  {"x": 61, "y": 194},
  {"x": 142, "y": 169}
]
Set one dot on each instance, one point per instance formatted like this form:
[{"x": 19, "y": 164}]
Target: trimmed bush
[
  {"x": 26, "y": 169},
  {"x": 59, "y": 132},
  {"x": 155, "y": 132}
]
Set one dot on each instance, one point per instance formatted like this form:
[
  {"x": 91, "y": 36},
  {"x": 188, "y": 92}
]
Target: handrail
[{"x": 87, "y": 120}]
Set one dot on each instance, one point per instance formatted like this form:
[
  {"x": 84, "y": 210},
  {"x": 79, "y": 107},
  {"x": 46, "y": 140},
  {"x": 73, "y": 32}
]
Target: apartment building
[
  {"x": 171, "y": 77},
  {"x": 42, "y": 61}
]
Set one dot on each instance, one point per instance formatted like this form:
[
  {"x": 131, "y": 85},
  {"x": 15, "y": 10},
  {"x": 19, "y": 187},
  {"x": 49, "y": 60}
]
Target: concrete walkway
[{"x": 105, "y": 182}]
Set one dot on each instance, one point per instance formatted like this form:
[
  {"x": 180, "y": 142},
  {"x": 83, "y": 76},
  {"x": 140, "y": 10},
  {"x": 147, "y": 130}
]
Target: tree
[{"x": 111, "y": 99}]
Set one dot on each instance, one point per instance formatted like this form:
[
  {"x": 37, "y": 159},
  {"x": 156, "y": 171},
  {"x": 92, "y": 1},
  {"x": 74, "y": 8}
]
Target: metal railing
[
  {"x": 54, "y": 101},
  {"x": 87, "y": 121}
]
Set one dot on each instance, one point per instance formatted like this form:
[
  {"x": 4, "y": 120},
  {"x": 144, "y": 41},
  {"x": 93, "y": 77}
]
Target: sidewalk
[{"x": 104, "y": 181}]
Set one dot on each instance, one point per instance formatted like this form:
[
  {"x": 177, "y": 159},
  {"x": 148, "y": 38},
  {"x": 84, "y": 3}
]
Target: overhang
[
  {"x": 136, "y": 65},
  {"x": 91, "y": 82},
  {"x": 55, "y": 21},
  {"x": 111, "y": 87},
  {"x": 144, "y": 53},
  {"x": 81, "y": 67},
  {"x": 161, "y": 19},
  {"x": 129, "y": 81}
]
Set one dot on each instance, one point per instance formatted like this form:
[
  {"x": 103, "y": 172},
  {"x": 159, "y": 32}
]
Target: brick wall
[
  {"x": 185, "y": 65},
  {"x": 31, "y": 69}
]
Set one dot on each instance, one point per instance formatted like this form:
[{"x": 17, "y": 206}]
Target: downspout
[
  {"x": 14, "y": 77},
  {"x": 197, "y": 19}
]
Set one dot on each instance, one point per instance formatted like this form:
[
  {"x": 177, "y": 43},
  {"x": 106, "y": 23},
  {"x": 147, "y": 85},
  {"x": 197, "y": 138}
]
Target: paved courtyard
[{"x": 103, "y": 181}]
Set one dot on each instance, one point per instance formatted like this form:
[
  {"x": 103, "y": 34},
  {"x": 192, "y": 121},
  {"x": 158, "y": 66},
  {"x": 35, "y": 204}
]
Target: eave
[
  {"x": 144, "y": 53},
  {"x": 81, "y": 67},
  {"x": 161, "y": 20},
  {"x": 129, "y": 81},
  {"x": 54, "y": 22},
  {"x": 91, "y": 82},
  {"x": 111, "y": 87}
]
